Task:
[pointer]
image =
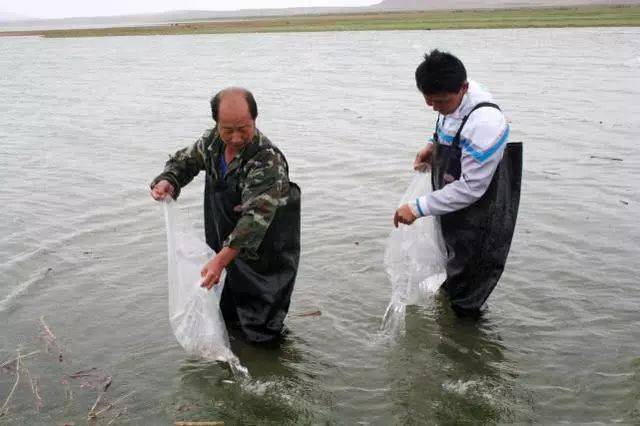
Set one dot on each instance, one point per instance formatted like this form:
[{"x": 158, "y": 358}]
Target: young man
[
  {"x": 475, "y": 175},
  {"x": 251, "y": 215}
]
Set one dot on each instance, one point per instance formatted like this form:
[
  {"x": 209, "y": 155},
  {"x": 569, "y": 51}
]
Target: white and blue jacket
[{"x": 482, "y": 140}]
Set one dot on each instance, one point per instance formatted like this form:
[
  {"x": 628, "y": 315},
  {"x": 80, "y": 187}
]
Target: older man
[{"x": 251, "y": 212}]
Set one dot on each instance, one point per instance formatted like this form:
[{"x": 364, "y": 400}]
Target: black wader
[
  {"x": 257, "y": 292},
  {"x": 477, "y": 237}
]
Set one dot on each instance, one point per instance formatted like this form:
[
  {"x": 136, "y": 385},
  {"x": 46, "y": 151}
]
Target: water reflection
[{"x": 452, "y": 370}]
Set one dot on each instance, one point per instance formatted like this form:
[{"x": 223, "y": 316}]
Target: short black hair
[
  {"x": 248, "y": 96},
  {"x": 440, "y": 72}
]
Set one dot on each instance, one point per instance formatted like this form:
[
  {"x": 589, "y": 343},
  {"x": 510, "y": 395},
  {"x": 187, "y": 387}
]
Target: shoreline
[{"x": 557, "y": 17}]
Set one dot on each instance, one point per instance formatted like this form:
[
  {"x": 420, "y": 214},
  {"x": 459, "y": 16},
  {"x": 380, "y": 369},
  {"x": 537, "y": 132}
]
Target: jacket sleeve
[
  {"x": 185, "y": 164},
  {"x": 262, "y": 191}
]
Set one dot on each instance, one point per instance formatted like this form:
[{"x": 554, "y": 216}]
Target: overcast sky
[{"x": 70, "y": 8}]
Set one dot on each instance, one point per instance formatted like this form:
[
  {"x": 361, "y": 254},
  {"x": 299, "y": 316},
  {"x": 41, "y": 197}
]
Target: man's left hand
[
  {"x": 212, "y": 270},
  {"x": 211, "y": 273},
  {"x": 403, "y": 215}
]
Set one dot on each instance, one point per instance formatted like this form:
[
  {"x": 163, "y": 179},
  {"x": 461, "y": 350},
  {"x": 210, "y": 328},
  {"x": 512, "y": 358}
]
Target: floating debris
[
  {"x": 599, "y": 157},
  {"x": 50, "y": 340},
  {"x": 94, "y": 414},
  {"x": 10, "y": 364},
  {"x": 309, "y": 314},
  {"x": 93, "y": 378},
  {"x": 4, "y": 410}
]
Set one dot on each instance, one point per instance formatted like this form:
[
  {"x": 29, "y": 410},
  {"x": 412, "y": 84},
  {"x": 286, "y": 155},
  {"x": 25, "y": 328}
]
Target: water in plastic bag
[
  {"x": 194, "y": 312},
  {"x": 414, "y": 259}
]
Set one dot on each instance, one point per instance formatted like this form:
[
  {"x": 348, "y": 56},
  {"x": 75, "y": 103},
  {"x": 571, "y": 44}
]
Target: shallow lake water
[{"x": 86, "y": 123}]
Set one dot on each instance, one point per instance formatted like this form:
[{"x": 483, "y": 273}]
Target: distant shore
[{"x": 587, "y": 16}]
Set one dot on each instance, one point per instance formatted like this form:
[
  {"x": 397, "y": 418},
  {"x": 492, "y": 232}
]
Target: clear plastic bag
[
  {"x": 194, "y": 312},
  {"x": 415, "y": 260}
]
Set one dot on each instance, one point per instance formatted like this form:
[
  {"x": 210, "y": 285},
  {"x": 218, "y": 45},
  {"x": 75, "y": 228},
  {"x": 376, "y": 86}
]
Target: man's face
[
  {"x": 446, "y": 103},
  {"x": 235, "y": 124}
]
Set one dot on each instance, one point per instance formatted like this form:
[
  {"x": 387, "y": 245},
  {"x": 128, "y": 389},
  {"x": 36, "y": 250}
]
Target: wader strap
[
  {"x": 456, "y": 139},
  {"x": 435, "y": 132}
]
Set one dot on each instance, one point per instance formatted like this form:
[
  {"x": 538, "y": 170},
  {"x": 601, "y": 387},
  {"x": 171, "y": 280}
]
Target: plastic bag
[
  {"x": 194, "y": 312},
  {"x": 415, "y": 259}
]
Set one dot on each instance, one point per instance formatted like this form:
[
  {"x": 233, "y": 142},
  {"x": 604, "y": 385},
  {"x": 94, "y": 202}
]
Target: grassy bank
[{"x": 599, "y": 16}]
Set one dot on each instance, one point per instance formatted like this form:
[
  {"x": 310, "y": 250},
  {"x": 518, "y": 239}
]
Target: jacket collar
[
  {"x": 217, "y": 150},
  {"x": 475, "y": 94}
]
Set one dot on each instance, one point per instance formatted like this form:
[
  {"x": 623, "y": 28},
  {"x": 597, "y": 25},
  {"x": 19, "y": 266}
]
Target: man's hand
[
  {"x": 162, "y": 190},
  {"x": 404, "y": 215},
  {"x": 212, "y": 270},
  {"x": 423, "y": 159}
]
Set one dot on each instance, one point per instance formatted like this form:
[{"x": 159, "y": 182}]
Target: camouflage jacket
[{"x": 264, "y": 183}]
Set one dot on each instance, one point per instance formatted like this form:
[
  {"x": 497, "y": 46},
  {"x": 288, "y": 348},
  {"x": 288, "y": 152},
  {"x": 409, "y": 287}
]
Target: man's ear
[{"x": 465, "y": 87}]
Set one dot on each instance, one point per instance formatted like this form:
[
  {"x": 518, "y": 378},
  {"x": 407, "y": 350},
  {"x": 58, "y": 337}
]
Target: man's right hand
[
  {"x": 162, "y": 190},
  {"x": 423, "y": 159}
]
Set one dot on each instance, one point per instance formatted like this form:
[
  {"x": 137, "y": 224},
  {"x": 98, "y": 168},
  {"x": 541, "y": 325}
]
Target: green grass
[{"x": 597, "y": 16}]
